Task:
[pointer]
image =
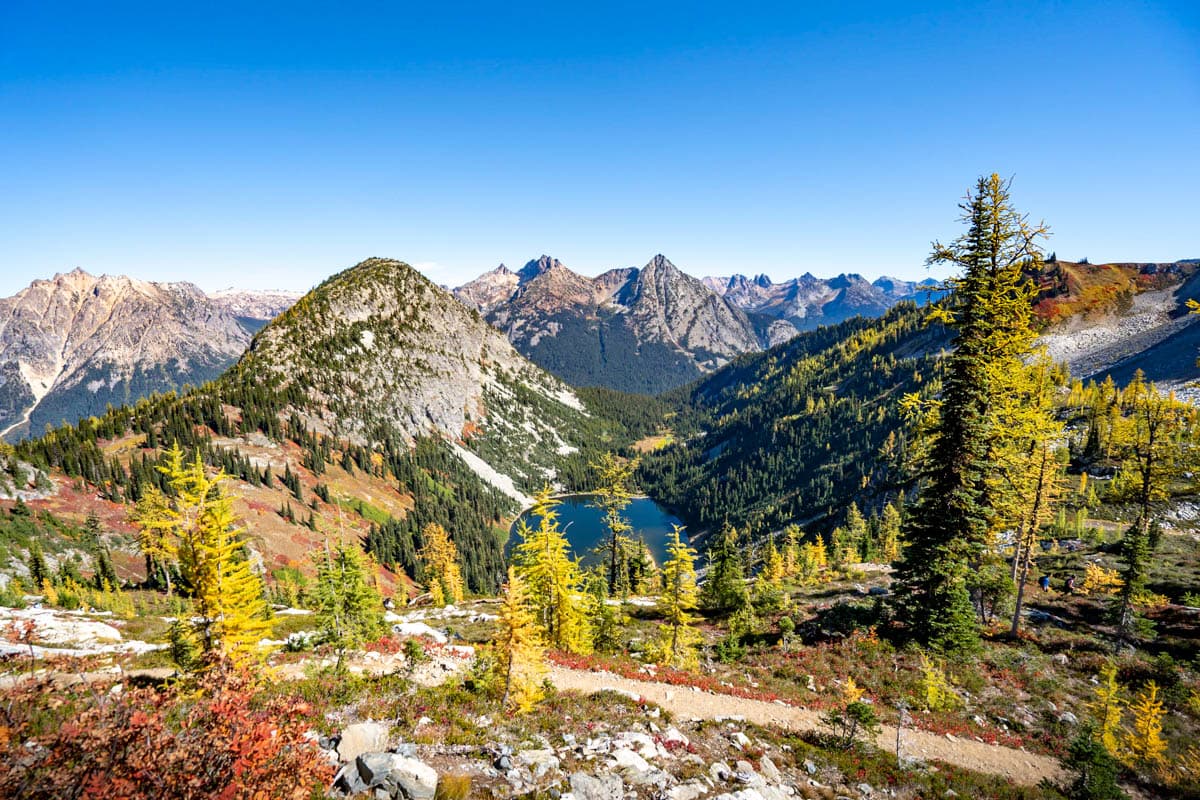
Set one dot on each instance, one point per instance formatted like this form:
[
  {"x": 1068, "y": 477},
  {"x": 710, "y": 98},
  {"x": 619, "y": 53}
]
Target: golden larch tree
[
  {"x": 679, "y": 598},
  {"x": 520, "y": 649},
  {"x": 439, "y": 565}
]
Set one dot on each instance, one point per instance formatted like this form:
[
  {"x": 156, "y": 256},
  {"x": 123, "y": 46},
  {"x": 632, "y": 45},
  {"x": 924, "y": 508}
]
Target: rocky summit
[
  {"x": 642, "y": 330},
  {"x": 72, "y": 345},
  {"x": 378, "y": 353}
]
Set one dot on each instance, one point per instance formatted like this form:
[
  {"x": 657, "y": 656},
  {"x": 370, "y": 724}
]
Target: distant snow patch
[
  {"x": 368, "y": 339},
  {"x": 568, "y": 399},
  {"x": 485, "y": 471}
]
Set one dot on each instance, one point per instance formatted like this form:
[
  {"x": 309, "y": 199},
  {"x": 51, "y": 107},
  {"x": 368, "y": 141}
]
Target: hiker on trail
[
  {"x": 1070, "y": 584},
  {"x": 1045, "y": 583}
]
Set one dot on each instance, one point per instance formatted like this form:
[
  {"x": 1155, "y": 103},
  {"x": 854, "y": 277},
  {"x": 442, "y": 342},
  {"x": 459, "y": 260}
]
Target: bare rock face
[
  {"x": 631, "y": 329},
  {"x": 71, "y": 345},
  {"x": 489, "y": 290},
  {"x": 678, "y": 308}
]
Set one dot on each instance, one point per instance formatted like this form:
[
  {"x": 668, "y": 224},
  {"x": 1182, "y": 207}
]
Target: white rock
[
  {"x": 629, "y": 761},
  {"x": 539, "y": 761},
  {"x": 362, "y": 737},
  {"x": 419, "y": 629},
  {"x": 640, "y": 742}
]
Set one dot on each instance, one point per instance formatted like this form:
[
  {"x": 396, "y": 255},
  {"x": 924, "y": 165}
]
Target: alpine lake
[{"x": 584, "y": 526}]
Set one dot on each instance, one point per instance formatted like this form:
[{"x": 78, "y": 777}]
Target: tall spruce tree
[
  {"x": 349, "y": 609},
  {"x": 990, "y": 311}
]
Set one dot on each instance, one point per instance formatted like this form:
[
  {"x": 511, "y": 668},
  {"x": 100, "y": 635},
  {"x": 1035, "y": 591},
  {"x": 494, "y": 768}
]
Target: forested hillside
[
  {"x": 799, "y": 431},
  {"x": 378, "y": 374}
]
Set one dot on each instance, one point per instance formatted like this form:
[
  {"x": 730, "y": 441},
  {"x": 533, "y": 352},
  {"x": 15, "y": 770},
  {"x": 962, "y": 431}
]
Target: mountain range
[
  {"x": 379, "y": 403},
  {"x": 72, "y": 345},
  {"x": 656, "y": 328},
  {"x": 808, "y": 302}
]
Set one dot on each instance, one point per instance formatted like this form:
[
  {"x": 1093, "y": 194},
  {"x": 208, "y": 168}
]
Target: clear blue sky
[{"x": 269, "y": 146}]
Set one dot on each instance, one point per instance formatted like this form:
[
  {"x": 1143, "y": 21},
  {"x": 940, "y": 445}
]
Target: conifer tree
[
  {"x": 724, "y": 589},
  {"x": 439, "y": 565},
  {"x": 856, "y": 540},
  {"x": 768, "y": 584},
  {"x": 197, "y": 524},
  {"x": 791, "y": 550},
  {"x": 889, "y": 534},
  {"x": 1028, "y": 473},
  {"x": 1144, "y": 740},
  {"x": 612, "y": 497},
  {"x": 676, "y": 603},
  {"x": 542, "y": 559},
  {"x": 606, "y": 620},
  {"x": 349, "y": 611},
  {"x": 1107, "y": 707},
  {"x": 1151, "y": 434},
  {"x": 38, "y": 571},
  {"x": 990, "y": 312},
  {"x": 519, "y": 647}
]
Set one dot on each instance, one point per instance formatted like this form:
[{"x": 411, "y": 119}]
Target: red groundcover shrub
[{"x": 217, "y": 738}]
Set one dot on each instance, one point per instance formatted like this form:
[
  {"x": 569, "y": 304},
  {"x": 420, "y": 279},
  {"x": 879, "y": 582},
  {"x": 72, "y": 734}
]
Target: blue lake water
[{"x": 584, "y": 525}]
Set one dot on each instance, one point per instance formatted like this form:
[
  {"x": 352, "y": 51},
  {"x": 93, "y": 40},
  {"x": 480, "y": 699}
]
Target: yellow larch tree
[
  {"x": 1144, "y": 740},
  {"x": 197, "y": 524},
  {"x": 439, "y": 565},
  {"x": 520, "y": 649},
  {"x": 791, "y": 550},
  {"x": 1107, "y": 707},
  {"x": 555, "y": 581},
  {"x": 679, "y": 598}
]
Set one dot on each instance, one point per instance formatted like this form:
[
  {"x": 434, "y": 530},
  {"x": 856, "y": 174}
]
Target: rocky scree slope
[
  {"x": 1114, "y": 319},
  {"x": 640, "y": 330},
  {"x": 72, "y": 345}
]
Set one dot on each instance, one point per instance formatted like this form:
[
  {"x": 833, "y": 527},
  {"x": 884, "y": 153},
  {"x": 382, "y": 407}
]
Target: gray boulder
[
  {"x": 362, "y": 737},
  {"x": 588, "y": 787},
  {"x": 399, "y": 776}
]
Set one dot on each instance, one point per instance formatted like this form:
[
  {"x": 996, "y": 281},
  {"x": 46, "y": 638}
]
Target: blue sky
[{"x": 271, "y": 147}]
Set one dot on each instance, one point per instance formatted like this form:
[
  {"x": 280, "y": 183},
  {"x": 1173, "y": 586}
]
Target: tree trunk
[{"x": 1028, "y": 538}]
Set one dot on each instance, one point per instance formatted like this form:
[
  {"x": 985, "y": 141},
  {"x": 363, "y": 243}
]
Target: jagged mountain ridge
[
  {"x": 73, "y": 344},
  {"x": 642, "y": 330},
  {"x": 807, "y": 302},
  {"x": 376, "y": 405}
]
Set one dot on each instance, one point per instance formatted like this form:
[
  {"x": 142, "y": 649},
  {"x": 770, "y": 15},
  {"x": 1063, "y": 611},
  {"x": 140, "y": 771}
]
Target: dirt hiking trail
[{"x": 1017, "y": 766}]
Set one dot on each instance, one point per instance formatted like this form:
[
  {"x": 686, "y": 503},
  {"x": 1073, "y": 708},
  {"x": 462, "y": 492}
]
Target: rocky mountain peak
[
  {"x": 539, "y": 266},
  {"x": 72, "y": 344},
  {"x": 378, "y": 351}
]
